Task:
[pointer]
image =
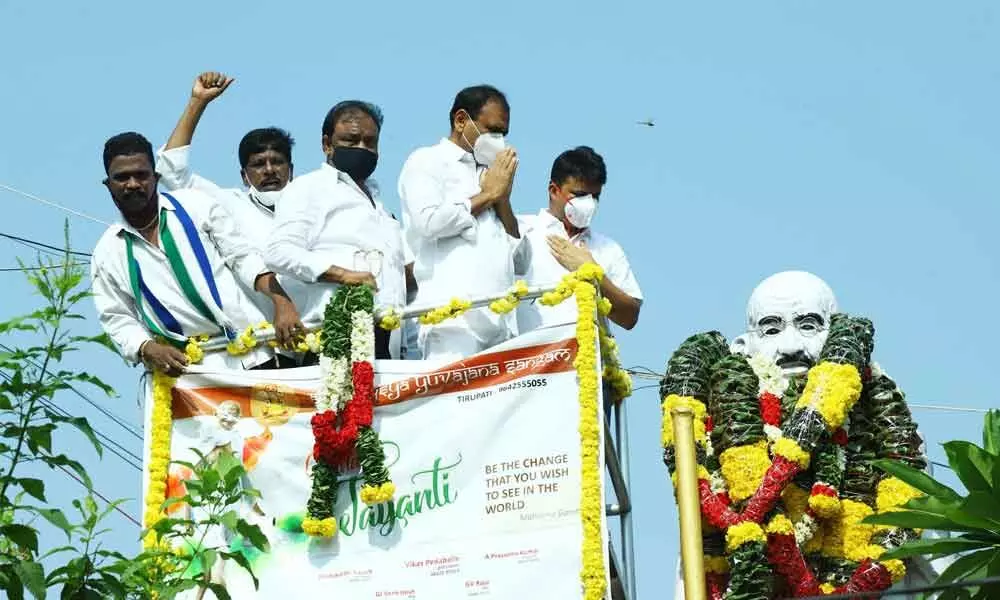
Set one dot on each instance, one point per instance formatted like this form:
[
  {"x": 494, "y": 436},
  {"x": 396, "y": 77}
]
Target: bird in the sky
[{"x": 647, "y": 123}]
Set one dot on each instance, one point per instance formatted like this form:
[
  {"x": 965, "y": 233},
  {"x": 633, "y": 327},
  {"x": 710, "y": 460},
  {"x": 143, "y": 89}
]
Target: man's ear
[
  {"x": 243, "y": 175},
  {"x": 291, "y": 171},
  {"x": 739, "y": 345},
  {"x": 327, "y": 145}
]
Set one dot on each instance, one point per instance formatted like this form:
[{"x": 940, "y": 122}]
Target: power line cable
[
  {"x": 22, "y": 269},
  {"x": 52, "y": 204},
  {"x": 44, "y": 245},
  {"x": 99, "y": 495},
  {"x": 132, "y": 429},
  {"x": 131, "y": 460}
]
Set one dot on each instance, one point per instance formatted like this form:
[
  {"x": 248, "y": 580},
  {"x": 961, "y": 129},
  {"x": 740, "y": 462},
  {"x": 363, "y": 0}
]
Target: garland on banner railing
[
  {"x": 785, "y": 473},
  {"x": 342, "y": 425}
]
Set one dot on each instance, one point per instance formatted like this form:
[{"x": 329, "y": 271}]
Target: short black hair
[
  {"x": 473, "y": 99},
  {"x": 127, "y": 144},
  {"x": 350, "y": 106},
  {"x": 582, "y": 163},
  {"x": 262, "y": 140}
]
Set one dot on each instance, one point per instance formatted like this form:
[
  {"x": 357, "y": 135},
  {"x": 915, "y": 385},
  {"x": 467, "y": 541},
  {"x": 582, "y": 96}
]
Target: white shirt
[
  {"x": 539, "y": 268},
  {"x": 232, "y": 259},
  {"x": 324, "y": 219},
  {"x": 456, "y": 253}
]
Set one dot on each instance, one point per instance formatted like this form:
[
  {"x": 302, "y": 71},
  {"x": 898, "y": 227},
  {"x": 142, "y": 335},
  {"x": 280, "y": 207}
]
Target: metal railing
[{"x": 621, "y": 561}]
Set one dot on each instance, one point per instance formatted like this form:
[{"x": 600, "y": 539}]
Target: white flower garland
[
  {"x": 335, "y": 390},
  {"x": 362, "y": 336},
  {"x": 772, "y": 379}
]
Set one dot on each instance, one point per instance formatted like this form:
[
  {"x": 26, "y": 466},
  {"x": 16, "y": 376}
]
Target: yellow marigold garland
[
  {"x": 509, "y": 302},
  {"x": 591, "y": 502},
  {"x": 717, "y": 565},
  {"x": 831, "y": 389},
  {"x": 780, "y": 525},
  {"x": 453, "y": 309},
  {"x": 673, "y": 401},
  {"x": 896, "y": 568},
  {"x": 827, "y": 588},
  {"x": 743, "y": 533},
  {"x": 193, "y": 351},
  {"x": 743, "y": 468},
  {"x": 159, "y": 454},
  {"x": 847, "y": 537},
  {"x": 372, "y": 495},
  {"x": 320, "y": 527},
  {"x": 893, "y": 493},
  {"x": 390, "y": 320},
  {"x": 826, "y": 507},
  {"x": 791, "y": 450}
]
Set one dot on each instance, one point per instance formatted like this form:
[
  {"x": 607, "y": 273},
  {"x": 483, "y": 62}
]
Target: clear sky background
[{"x": 856, "y": 140}]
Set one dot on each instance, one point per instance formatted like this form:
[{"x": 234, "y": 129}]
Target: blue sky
[{"x": 856, "y": 140}]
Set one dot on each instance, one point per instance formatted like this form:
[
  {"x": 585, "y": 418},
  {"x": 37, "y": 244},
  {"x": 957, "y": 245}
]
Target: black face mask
[{"x": 358, "y": 163}]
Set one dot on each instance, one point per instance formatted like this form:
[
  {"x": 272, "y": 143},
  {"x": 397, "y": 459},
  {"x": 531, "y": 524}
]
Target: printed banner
[{"x": 485, "y": 455}]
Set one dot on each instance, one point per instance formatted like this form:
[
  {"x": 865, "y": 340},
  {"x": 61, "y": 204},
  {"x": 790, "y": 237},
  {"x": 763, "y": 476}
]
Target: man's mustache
[{"x": 795, "y": 358}]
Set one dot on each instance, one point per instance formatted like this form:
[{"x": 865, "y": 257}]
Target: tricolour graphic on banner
[{"x": 485, "y": 454}]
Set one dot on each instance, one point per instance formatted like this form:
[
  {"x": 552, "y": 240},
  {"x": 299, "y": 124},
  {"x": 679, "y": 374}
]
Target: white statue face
[
  {"x": 788, "y": 320},
  {"x": 228, "y": 414}
]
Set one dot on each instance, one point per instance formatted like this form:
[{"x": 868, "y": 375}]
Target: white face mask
[
  {"x": 267, "y": 199},
  {"x": 487, "y": 146},
  {"x": 580, "y": 211}
]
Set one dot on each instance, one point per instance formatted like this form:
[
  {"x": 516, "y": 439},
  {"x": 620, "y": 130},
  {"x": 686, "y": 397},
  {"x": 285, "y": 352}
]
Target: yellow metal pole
[{"x": 688, "y": 504}]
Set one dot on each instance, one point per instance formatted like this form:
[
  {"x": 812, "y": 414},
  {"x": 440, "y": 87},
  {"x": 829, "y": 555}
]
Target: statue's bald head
[{"x": 788, "y": 317}]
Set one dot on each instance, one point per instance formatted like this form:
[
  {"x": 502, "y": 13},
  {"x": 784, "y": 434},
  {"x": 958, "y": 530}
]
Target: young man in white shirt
[
  {"x": 331, "y": 229},
  {"x": 170, "y": 269},
  {"x": 459, "y": 222},
  {"x": 265, "y": 167},
  {"x": 560, "y": 239}
]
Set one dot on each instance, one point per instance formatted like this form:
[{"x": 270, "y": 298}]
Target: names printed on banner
[
  {"x": 511, "y": 485},
  {"x": 442, "y": 565}
]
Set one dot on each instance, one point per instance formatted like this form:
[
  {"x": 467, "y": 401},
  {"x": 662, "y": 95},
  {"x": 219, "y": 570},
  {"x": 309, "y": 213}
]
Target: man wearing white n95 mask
[
  {"x": 560, "y": 239},
  {"x": 458, "y": 221},
  {"x": 265, "y": 167}
]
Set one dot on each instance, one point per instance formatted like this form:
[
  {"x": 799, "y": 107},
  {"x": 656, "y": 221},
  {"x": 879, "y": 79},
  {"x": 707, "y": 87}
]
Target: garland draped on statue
[{"x": 785, "y": 472}]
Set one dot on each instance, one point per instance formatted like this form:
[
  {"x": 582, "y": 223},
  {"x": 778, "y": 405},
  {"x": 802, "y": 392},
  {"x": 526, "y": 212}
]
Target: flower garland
[
  {"x": 159, "y": 455},
  {"x": 247, "y": 341},
  {"x": 591, "y": 500},
  {"x": 342, "y": 424},
  {"x": 509, "y": 302},
  {"x": 767, "y": 440}
]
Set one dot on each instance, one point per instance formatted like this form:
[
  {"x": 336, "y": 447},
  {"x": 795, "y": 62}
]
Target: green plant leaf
[
  {"x": 230, "y": 520},
  {"x": 22, "y": 535},
  {"x": 241, "y": 559},
  {"x": 991, "y": 432},
  {"x": 983, "y": 505},
  {"x": 32, "y": 575},
  {"x": 14, "y": 588},
  {"x": 918, "y": 479},
  {"x": 937, "y": 547},
  {"x": 61, "y": 460},
  {"x": 972, "y": 464},
  {"x": 254, "y": 535},
  {"x": 34, "y": 487},
  {"x": 57, "y": 518},
  {"x": 40, "y": 437},
  {"x": 967, "y": 567},
  {"x": 82, "y": 425},
  {"x": 219, "y": 590}
]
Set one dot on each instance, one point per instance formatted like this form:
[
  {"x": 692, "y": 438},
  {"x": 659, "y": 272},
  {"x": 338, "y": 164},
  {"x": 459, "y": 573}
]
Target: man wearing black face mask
[{"x": 331, "y": 229}]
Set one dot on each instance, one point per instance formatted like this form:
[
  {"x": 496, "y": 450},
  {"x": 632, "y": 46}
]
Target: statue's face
[
  {"x": 788, "y": 319},
  {"x": 228, "y": 414}
]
